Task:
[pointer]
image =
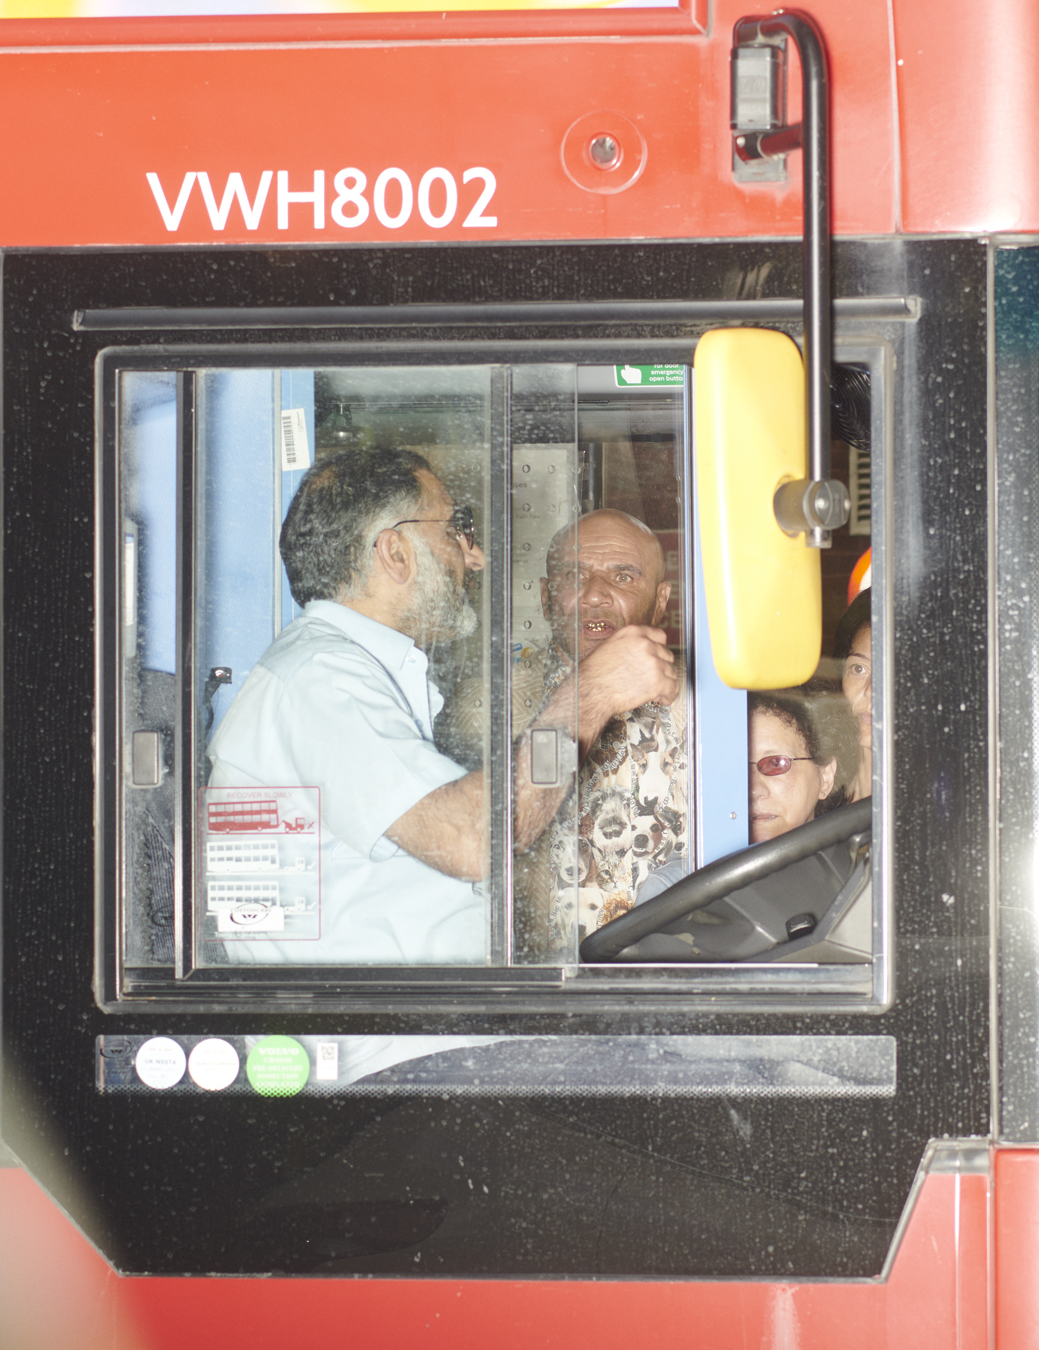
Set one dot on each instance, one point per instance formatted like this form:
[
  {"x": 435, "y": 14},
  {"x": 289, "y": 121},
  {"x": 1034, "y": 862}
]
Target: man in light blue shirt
[{"x": 377, "y": 554}]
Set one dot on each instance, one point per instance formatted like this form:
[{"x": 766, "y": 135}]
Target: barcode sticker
[
  {"x": 327, "y": 1062},
  {"x": 295, "y": 448},
  {"x": 859, "y": 486}
]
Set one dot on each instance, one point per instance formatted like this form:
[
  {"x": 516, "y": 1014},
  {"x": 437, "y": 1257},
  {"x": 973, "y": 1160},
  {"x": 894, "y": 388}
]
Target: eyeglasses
[
  {"x": 461, "y": 521},
  {"x": 773, "y": 765}
]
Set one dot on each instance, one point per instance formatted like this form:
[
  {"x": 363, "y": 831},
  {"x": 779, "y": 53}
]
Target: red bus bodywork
[{"x": 935, "y": 121}]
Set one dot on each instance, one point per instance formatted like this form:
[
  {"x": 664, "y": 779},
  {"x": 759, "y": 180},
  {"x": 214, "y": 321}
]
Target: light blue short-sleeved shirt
[{"x": 343, "y": 703}]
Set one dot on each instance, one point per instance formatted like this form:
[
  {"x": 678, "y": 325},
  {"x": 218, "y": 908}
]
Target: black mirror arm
[{"x": 816, "y": 505}]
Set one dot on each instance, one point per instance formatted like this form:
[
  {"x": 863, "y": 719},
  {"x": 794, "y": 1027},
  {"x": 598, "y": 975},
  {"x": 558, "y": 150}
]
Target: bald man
[{"x": 606, "y": 573}]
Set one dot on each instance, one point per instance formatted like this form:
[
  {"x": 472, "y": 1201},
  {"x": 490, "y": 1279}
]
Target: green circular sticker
[{"x": 277, "y": 1066}]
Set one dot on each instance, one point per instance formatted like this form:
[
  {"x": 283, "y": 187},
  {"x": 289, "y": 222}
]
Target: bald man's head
[{"x": 605, "y": 572}]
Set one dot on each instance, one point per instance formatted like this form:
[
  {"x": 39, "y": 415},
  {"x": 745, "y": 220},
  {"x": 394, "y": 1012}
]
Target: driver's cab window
[{"x": 417, "y": 672}]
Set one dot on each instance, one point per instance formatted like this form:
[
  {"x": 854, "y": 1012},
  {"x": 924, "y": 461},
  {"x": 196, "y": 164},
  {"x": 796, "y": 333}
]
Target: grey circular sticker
[{"x": 160, "y": 1063}]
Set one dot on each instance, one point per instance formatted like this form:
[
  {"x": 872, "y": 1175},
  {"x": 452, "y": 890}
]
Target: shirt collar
[{"x": 386, "y": 644}]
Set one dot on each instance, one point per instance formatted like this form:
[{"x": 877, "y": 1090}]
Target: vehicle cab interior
[{"x": 221, "y": 883}]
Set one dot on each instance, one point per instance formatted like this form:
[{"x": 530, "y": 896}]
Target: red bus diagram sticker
[{"x": 259, "y": 863}]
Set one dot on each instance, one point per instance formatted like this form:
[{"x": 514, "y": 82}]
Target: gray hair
[{"x": 340, "y": 506}]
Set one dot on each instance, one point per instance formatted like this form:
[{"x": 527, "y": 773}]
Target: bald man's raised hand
[
  {"x": 446, "y": 828},
  {"x": 633, "y": 666}
]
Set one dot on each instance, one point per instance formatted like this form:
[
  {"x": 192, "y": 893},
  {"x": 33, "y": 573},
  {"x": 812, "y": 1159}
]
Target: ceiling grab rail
[{"x": 818, "y": 504}]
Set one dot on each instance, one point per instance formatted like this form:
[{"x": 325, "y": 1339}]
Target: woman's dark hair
[
  {"x": 326, "y": 542},
  {"x": 821, "y": 716},
  {"x": 858, "y": 615}
]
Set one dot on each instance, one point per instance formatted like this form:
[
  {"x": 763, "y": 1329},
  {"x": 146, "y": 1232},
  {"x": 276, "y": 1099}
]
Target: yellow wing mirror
[{"x": 764, "y": 586}]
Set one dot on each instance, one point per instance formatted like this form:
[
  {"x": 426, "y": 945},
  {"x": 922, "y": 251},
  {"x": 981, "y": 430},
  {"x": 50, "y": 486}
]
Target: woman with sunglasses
[
  {"x": 803, "y": 751},
  {"x": 803, "y": 748}
]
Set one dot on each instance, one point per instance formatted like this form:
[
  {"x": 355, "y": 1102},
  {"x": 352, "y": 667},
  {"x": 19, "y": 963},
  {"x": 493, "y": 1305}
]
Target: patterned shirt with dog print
[{"x": 631, "y": 816}]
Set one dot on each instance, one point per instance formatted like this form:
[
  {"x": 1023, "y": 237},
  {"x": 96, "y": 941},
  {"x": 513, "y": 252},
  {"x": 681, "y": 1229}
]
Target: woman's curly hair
[{"x": 821, "y": 716}]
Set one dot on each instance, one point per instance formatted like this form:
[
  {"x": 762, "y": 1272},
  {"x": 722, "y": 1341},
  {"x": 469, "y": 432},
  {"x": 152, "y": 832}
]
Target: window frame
[{"x": 516, "y": 987}]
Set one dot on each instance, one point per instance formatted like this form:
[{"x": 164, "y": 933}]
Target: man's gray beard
[{"x": 441, "y": 611}]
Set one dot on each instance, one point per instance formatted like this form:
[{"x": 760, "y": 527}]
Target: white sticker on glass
[
  {"x": 160, "y": 1063},
  {"x": 213, "y": 1064},
  {"x": 295, "y": 447}
]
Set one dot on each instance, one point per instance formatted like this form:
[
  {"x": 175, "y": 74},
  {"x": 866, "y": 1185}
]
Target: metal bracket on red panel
[{"x": 818, "y": 504}]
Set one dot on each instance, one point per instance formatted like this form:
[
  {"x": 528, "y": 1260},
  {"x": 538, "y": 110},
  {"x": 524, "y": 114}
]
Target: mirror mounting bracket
[{"x": 760, "y": 134}]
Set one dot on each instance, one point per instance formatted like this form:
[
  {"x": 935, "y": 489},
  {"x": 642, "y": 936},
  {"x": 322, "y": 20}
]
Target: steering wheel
[{"x": 728, "y": 874}]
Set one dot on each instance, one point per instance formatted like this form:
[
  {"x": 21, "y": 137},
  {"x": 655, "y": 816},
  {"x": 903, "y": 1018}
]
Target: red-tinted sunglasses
[{"x": 773, "y": 765}]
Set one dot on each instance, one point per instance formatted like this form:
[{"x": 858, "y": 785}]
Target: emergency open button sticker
[
  {"x": 160, "y": 1063},
  {"x": 213, "y": 1064}
]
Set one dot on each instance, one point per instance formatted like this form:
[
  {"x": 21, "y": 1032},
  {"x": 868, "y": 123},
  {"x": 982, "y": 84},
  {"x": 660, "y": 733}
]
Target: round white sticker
[
  {"x": 160, "y": 1062},
  {"x": 213, "y": 1064}
]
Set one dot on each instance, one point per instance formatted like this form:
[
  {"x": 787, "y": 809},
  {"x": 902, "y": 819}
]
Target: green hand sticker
[{"x": 645, "y": 377}]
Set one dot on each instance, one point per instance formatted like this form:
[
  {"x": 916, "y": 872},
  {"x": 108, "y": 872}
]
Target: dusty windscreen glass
[
  {"x": 267, "y": 798},
  {"x": 272, "y": 750},
  {"x": 147, "y": 596}
]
